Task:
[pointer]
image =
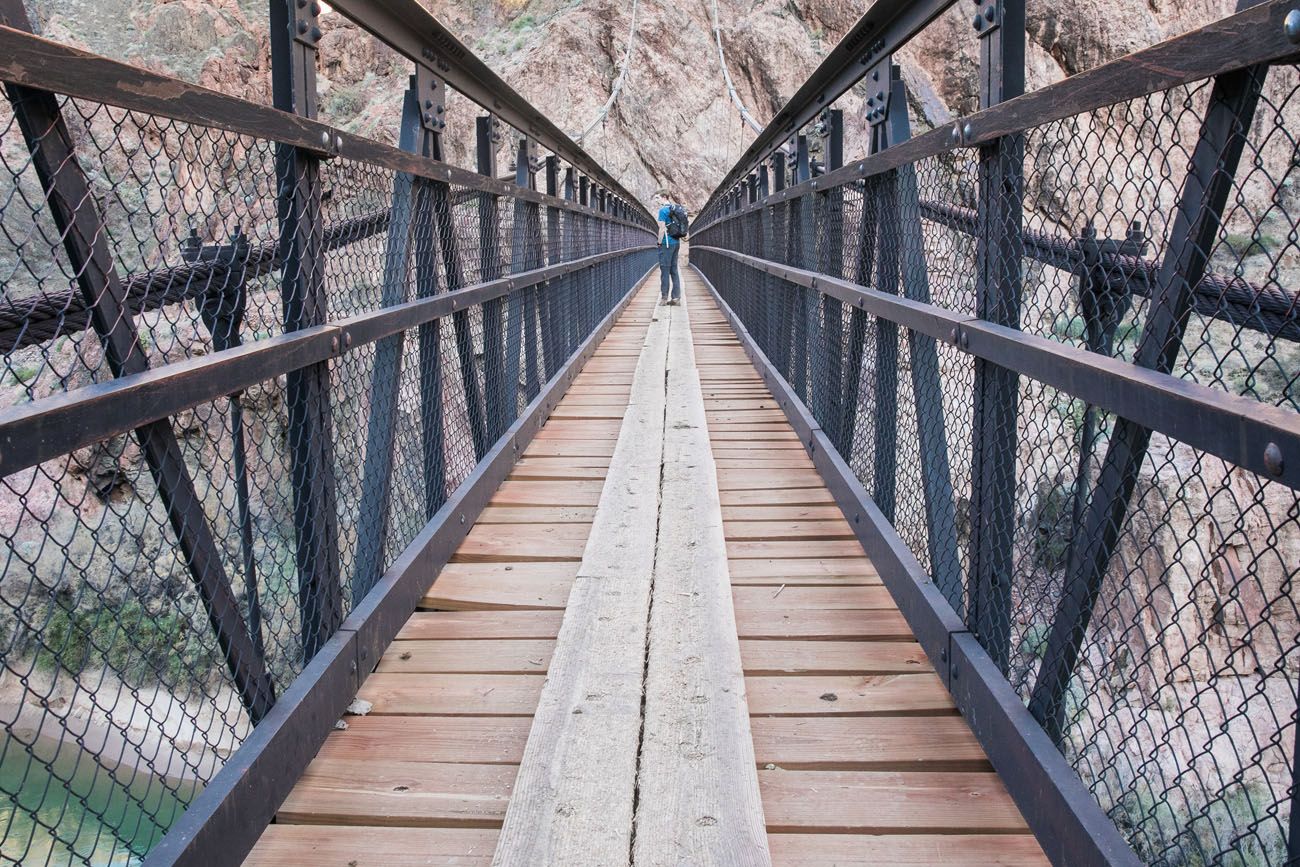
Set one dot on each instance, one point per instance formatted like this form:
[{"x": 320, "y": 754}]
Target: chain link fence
[
  {"x": 159, "y": 588},
  {"x": 1136, "y": 590}
]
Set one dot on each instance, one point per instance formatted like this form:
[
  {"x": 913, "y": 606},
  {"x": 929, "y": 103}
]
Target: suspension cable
[
  {"x": 618, "y": 82},
  {"x": 726, "y": 76}
]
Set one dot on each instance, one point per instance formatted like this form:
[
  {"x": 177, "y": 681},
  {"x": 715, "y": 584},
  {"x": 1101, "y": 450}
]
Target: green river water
[{"x": 77, "y": 812}]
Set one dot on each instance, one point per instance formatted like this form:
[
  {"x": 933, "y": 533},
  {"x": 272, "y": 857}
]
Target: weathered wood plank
[
  {"x": 534, "y": 493},
  {"x": 397, "y": 793},
  {"x": 474, "y": 739},
  {"x": 698, "y": 791},
  {"x": 817, "y": 496},
  {"x": 481, "y": 624},
  {"x": 537, "y": 515},
  {"x": 793, "y": 599},
  {"x": 482, "y": 586},
  {"x": 574, "y": 797},
  {"x": 330, "y": 846},
  {"x": 906, "y": 850},
  {"x": 833, "y": 567},
  {"x": 863, "y": 625},
  {"x": 452, "y": 694},
  {"x": 485, "y": 656},
  {"x": 886, "y": 802},
  {"x": 899, "y": 743},
  {"x": 832, "y": 657},
  {"x": 771, "y": 531},
  {"x": 808, "y": 695}
]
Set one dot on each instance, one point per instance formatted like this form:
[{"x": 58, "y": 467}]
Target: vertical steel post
[
  {"x": 497, "y": 390},
  {"x": 998, "y": 288},
  {"x": 294, "y": 33},
  {"x": 525, "y": 248},
  {"x": 830, "y": 260},
  {"x": 803, "y": 243},
  {"x": 551, "y": 288}
]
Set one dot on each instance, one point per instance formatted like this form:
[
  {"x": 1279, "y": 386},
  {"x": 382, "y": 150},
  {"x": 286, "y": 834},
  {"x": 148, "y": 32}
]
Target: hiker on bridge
[{"x": 674, "y": 219}]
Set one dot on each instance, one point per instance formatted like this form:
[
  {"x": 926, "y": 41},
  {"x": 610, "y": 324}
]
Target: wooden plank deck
[
  {"x": 861, "y": 756},
  {"x": 425, "y": 777}
]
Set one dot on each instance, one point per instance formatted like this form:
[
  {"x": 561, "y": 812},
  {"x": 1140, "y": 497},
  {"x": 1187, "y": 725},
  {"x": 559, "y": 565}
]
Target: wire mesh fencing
[
  {"x": 1135, "y": 588},
  {"x": 162, "y": 586}
]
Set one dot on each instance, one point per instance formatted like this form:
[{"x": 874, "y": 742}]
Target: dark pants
[{"x": 668, "y": 265}]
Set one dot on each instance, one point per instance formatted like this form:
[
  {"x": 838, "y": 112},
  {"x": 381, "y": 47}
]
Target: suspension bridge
[{"x": 366, "y": 508}]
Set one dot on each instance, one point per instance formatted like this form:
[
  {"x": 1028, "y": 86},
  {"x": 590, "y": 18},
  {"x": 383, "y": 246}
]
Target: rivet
[
  {"x": 1291, "y": 25},
  {"x": 990, "y": 13},
  {"x": 315, "y": 8},
  {"x": 965, "y": 340},
  {"x": 462, "y": 519},
  {"x": 338, "y": 142},
  {"x": 952, "y": 335},
  {"x": 315, "y": 34},
  {"x": 334, "y": 343},
  {"x": 440, "y": 109},
  {"x": 325, "y": 138},
  {"x": 954, "y": 671},
  {"x": 967, "y": 132},
  {"x": 1273, "y": 461},
  {"x": 956, "y": 135},
  {"x": 302, "y": 27},
  {"x": 347, "y": 339},
  {"x": 978, "y": 22},
  {"x": 875, "y": 76},
  {"x": 943, "y": 655}
]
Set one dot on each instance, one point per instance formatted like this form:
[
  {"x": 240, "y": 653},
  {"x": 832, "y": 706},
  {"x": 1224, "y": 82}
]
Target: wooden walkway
[{"x": 859, "y": 754}]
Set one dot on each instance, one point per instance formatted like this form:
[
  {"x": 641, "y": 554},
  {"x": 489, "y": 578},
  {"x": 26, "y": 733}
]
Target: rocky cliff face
[{"x": 673, "y": 124}]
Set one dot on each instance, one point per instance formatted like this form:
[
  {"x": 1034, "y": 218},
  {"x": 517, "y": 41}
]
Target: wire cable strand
[
  {"x": 726, "y": 75},
  {"x": 618, "y": 82}
]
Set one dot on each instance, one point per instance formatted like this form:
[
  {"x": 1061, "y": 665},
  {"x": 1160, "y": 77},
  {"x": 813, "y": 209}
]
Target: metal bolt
[
  {"x": 871, "y": 100},
  {"x": 943, "y": 655},
  {"x": 1291, "y": 25},
  {"x": 338, "y": 142},
  {"x": 315, "y": 34},
  {"x": 967, "y": 132},
  {"x": 952, "y": 335},
  {"x": 334, "y": 343},
  {"x": 325, "y": 138},
  {"x": 347, "y": 339},
  {"x": 440, "y": 109},
  {"x": 462, "y": 519},
  {"x": 315, "y": 8},
  {"x": 954, "y": 671},
  {"x": 302, "y": 27},
  {"x": 1273, "y": 459},
  {"x": 956, "y": 135},
  {"x": 978, "y": 22},
  {"x": 965, "y": 340},
  {"x": 990, "y": 12}
]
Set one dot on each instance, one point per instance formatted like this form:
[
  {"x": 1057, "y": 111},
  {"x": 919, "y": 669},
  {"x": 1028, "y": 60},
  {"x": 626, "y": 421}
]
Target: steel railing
[
  {"x": 1046, "y": 356},
  {"x": 261, "y": 374}
]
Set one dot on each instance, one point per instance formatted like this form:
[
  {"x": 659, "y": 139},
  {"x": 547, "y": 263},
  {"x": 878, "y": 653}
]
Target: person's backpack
[{"x": 677, "y": 227}]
